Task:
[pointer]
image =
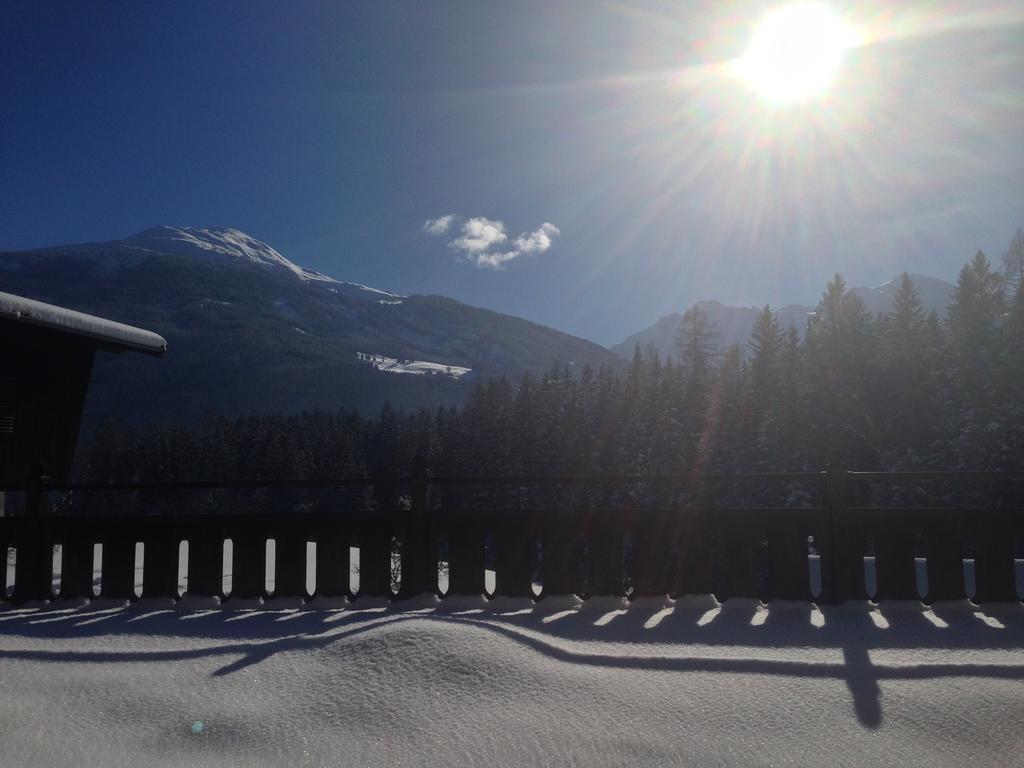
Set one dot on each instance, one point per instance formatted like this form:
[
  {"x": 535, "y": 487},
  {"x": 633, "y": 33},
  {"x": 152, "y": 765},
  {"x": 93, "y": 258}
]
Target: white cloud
[
  {"x": 538, "y": 241},
  {"x": 439, "y": 225},
  {"x": 483, "y": 241},
  {"x": 495, "y": 260},
  {"x": 479, "y": 235}
]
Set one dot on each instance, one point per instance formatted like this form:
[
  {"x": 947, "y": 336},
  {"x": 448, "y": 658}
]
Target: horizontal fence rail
[{"x": 822, "y": 536}]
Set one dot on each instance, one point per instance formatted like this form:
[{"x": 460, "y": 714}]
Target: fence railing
[{"x": 398, "y": 537}]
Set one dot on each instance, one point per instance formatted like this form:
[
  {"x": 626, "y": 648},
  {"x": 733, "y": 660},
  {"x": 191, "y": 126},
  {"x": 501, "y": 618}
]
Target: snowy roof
[{"x": 57, "y": 318}]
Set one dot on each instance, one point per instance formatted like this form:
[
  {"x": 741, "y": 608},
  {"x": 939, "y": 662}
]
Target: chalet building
[{"x": 46, "y": 357}]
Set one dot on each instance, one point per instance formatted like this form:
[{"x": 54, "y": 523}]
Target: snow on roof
[{"x": 68, "y": 320}]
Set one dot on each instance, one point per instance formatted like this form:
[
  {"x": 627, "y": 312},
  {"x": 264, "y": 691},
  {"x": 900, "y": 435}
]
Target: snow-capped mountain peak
[
  {"x": 229, "y": 244},
  {"x": 223, "y": 242}
]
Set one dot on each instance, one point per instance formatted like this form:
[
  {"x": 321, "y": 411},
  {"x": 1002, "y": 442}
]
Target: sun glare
[{"x": 795, "y": 53}]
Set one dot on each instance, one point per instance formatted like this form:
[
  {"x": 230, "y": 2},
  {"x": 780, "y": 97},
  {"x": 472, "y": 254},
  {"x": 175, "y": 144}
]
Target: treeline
[{"x": 903, "y": 390}]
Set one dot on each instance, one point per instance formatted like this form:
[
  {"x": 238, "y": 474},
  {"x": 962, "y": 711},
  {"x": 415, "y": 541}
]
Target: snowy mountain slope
[
  {"x": 216, "y": 245},
  {"x": 228, "y": 244},
  {"x": 734, "y": 324},
  {"x": 249, "y": 330}
]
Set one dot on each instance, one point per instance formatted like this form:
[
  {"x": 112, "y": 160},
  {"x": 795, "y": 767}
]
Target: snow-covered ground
[
  {"x": 416, "y": 367},
  {"x": 506, "y": 683}
]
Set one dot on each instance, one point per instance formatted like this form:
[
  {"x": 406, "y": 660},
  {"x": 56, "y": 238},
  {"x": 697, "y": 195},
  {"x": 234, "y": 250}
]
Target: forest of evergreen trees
[{"x": 899, "y": 391}]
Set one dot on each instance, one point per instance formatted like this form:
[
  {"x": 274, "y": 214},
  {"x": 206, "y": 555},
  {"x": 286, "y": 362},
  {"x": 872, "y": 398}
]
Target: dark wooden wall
[{"x": 44, "y": 378}]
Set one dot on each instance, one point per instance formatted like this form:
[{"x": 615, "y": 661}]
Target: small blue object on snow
[{"x": 197, "y": 727}]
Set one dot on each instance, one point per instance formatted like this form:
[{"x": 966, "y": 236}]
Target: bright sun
[{"x": 795, "y": 53}]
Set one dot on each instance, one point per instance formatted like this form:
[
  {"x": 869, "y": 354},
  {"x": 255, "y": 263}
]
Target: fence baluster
[
  {"x": 512, "y": 541},
  {"x": 76, "y": 561},
  {"x": 895, "y": 570},
  {"x": 160, "y": 568},
  {"x": 944, "y": 540},
  {"x": 332, "y": 559},
  {"x": 205, "y": 562},
  {"x": 419, "y": 563},
  {"x": 739, "y": 538},
  {"x": 465, "y": 557},
  {"x": 693, "y": 573},
  {"x": 994, "y": 567},
  {"x": 374, "y": 556},
  {"x": 34, "y": 567},
  {"x": 290, "y": 565},
  {"x": 5, "y": 542},
  {"x": 249, "y": 564},
  {"x": 605, "y": 539},
  {"x": 788, "y": 577},
  {"x": 840, "y": 540},
  {"x": 118, "y": 568},
  {"x": 651, "y": 550},
  {"x": 558, "y": 556}
]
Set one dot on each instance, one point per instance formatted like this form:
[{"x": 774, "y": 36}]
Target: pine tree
[
  {"x": 608, "y": 421},
  {"x": 765, "y": 348},
  {"x": 976, "y": 310},
  {"x": 783, "y": 436},
  {"x": 906, "y": 393},
  {"x": 974, "y": 319},
  {"x": 840, "y": 366},
  {"x": 1011, "y": 394},
  {"x": 723, "y": 440},
  {"x": 668, "y": 409},
  {"x": 697, "y": 344},
  {"x": 1013, "y": 262}
]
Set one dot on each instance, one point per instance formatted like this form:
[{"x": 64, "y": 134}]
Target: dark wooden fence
[{"x": 409, "y": 531}]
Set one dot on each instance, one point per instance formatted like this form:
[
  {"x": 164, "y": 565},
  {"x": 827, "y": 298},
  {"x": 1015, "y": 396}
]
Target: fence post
[
  {"x": 160, "y": 562},
  {"x": 839, "y": 550},
  {"x": 35, "y": 494},
  {"x": 118, "y": 569},
  {"x": 416, "y": 538},
  {"x": 994, "y": 571},
  {"x": 945, "y": 556},
  {"x": 34, "y": 566}
]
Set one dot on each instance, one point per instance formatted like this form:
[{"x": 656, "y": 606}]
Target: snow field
[
  {"x": 415, "y": 367},
  {"x": 513, "y": 682}
]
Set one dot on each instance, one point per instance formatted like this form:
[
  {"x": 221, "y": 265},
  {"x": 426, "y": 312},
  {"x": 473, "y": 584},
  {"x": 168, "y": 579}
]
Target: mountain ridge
[
  {"x": 248, "y": 332},
  {"x": 734, "y": 324}
]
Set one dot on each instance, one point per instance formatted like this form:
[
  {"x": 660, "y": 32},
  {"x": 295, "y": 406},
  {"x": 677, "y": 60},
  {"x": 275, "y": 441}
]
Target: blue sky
[{"x": 334, "y": 131}]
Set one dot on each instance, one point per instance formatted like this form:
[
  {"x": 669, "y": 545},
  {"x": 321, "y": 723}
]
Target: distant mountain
[
  {"x": 247, "y": 329},
  {"x": 936, "y": 295},
  {"x": 734, "y": 324}
]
